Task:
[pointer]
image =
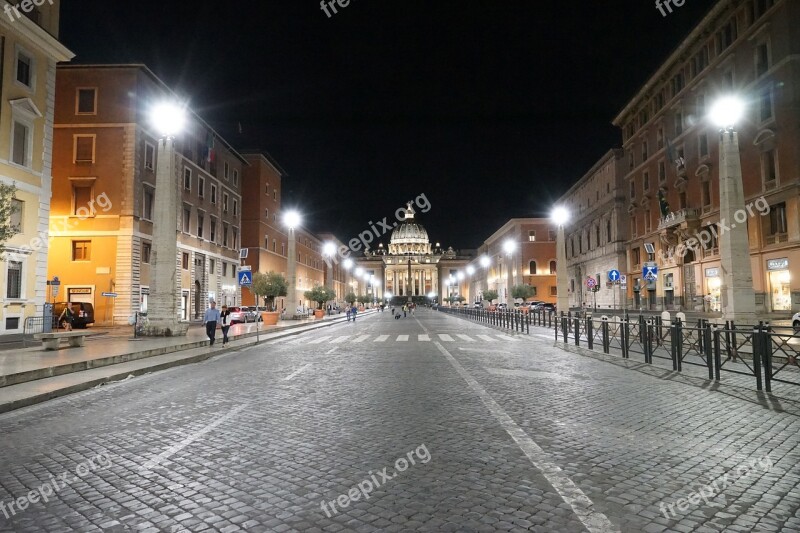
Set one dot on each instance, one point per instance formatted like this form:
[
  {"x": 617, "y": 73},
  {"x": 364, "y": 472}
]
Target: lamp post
[
  {"x": 509, "y": 247},
  {"x": 470, "y": 273},
  {"x": 168, "y": 119},
  {"x": 485, "y": 263},
  {"x": 292, "y": 220},
  {"x": 560, "y": 216},
  {"x": 738, "y": 297}
]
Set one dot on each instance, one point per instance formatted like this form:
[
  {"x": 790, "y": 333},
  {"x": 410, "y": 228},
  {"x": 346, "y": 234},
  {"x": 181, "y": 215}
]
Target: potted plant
[
  {"x": 364, "y": 299},
  {"x": 320, "y": 294},
  {"x": 269, "y": 286},
  {"x": 523, "y": 292},
  {"x": 350, "y": 298}
]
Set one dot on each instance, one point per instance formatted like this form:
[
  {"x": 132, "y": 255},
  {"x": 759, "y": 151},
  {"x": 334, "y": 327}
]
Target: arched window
[
  {"x": 552, "y": 267},
  {"x": 532, "y": 268}
]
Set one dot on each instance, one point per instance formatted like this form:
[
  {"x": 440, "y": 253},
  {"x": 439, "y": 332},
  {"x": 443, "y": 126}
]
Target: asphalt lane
[{"x": 427, "y": 423}]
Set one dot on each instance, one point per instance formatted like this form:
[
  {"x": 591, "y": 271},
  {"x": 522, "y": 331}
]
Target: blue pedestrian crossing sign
[
  {"x": 245, "y": 278},
  {"x": 613, "y": 276},
  {"x": 650, "y": 271}
]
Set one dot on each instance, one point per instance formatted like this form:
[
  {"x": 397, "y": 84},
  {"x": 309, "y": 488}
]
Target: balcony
[{"x": 684, "y": 218}]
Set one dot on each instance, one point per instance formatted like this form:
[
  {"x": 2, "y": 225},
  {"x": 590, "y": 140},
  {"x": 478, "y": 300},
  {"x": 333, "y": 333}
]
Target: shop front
[
  {"x": 779, "y": 280},
  {"x": 712, "y": 301}
]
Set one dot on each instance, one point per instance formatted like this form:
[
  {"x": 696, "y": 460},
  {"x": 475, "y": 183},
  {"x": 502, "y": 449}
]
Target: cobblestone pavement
[{"x": 415, "y": 433}]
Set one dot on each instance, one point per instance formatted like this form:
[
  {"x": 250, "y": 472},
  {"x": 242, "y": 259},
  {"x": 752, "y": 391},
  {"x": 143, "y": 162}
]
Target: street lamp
[
  {"x": 329, "y": 252},
  {"x": 560, "y": 216},
  {"x": 168, "y": 119},
  {"x": 292, "y": 220},
  {"x": 738, "y": 296},
  {"x": 509, "y": 247}
]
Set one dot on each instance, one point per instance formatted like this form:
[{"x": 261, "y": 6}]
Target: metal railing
[
  {"x": 766, "y": 354},
  {"x": 508, "y": 319}
]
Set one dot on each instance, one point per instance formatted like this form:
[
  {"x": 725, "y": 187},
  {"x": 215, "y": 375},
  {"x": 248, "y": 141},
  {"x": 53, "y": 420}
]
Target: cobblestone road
[{"x": 428, "y": 423}]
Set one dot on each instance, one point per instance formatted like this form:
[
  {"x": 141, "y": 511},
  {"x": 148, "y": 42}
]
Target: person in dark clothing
[
  {"x": 210, "y": 321},
  {"x": 225, "y": 322}
]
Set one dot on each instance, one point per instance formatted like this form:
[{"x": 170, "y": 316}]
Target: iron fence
[{"x": 508, "y": 319}]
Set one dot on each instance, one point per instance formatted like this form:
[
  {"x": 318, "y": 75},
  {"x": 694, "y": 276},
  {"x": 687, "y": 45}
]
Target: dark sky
[{"x": 491, "y": 108}]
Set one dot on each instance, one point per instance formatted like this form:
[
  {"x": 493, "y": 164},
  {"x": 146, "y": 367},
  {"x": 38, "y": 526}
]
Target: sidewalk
[{"x": 33, "y": 375}]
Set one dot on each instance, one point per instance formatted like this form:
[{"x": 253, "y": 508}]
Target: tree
[
  {"x": 7, "y": 208},
  {"x": 364, "y": 299},
  {"x": 522, "y": 291},
  {"x": 490, "y": 295},
  {"x": 350, "y": 297},
  {"x": 320, "y": 294},
  {"x": 269, "y": 286}
]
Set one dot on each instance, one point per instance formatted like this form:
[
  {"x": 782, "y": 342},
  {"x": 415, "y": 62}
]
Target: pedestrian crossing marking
[
  {"x": 341, "y": 339},
  {"x": 320, "y": 340},
  {"x": 425, "y": 338},
  {"x": 422, "y": 337},
  {"x": 445, "y": 337},
  {"x": 465, "y": 337},
  {"x": 508, "y": 338},
  {"x": 486, "y": 338},
  {"x": 382, "y": 338},
  {"x": 402, "y": 338},
  {"x": 362, "y": 338}
]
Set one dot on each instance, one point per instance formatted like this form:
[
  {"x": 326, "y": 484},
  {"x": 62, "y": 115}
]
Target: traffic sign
[
  {"x": 613, "y": 275},
  {"x": 650, "y": 271},
  {"x": 55, "y": 290},
  {"x": 109, "y": 294},
  {"x": 55, "y": 281},
  {"x": 591, "y": 282},
  {"x": 245, "y": 278},
  {"x": 623, "y": 280}
]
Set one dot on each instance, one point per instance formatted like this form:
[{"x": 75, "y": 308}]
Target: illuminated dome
[{"x": 409, "y": 237}]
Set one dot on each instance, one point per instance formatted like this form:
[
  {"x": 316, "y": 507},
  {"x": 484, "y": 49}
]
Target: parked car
[
  {"x": 82, "y": 313},
  {"x": 238, "y": 315},
  {"x": 252, "y": 314},
  {"x": 796, "y": 322}
]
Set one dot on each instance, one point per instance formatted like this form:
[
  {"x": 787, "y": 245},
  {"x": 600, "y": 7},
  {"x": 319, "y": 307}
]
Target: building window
[
  {"x": 82, "y": 200},
  {"x": 682, "y": 200},
  {"x": 213, "y": 194},
  {"x": 275, "y": 195},
  {"x": 187, "y": 219},
  {"x": 20, "y": 149},
  {"x": 185, "y": 260},
  {"x": 553, "y": 290},
  {"x": 646, "y": 181},
  {"x": 81, "y": 250},
  {"x": 212, "y": 266},
  {"x": 645, "y": 151},
  {"x": 727, "y": 35},
  {"x": 25, "y": 69},
  {"x": 201, "y": 222},
  {"x": 14, "y": 280},
  {"x": 147, "y": 203},
  {"x": 83, "y": 149},
  {"x": 636, "y": 258},
  {"x": 706, "y": 193},
  {"x": 778, "y": 227},
  {"x": 224, "y": 234},
  {"x": 765, "y": 105},
  {"x": 187, "y": 179},
  {"x": 266, "y": 213},
  {"x": 553, "y": 268},
  {"x": 762, "y": 59},
  {"x": 647, "y": 221},
  {"x": 201, "y": 186},
  {"x": 224, "y": 202},
  {"x": 235, "y": 207},
  {"x": 662, "y": 171},
  {"x": 633, "y": 226},
  {"x": 532, "y": 268},
  {"x": 769, "y": 170},
  {"x": 86, "y": 101},
  {"x": 633, "y": 190},
  {"x": 235, "y": 238},
  {"x": 608, "y": 231},
  {"x": 224, "y": 269},
  {"x": 702, "y": 144},
  {"x": 660, "y": 139},
  {"x": 226, "y": 170},
  {"x": 283, "y": 248},
  {"x": 727, "y": 80},
  {"x": 266, "y": 242},
  {"x": 678, "y": 123},
  {"x": 149, "y": 156},
  {"x": 235, "y": 177},
  {"x": 146, "y": 249},
  {"x": 531, "y": 236},
  {"x": 551, "y": 235},
  {"x": 266, "y": 189},
  {"x": 17, "y": 215}
]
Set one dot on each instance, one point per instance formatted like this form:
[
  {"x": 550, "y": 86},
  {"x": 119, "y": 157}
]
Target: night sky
[{"x": 491, "y": 108}]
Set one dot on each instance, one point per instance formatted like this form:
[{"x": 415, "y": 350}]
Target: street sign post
[
  {"x": 650, "y": 271},
  {"x": 245, "y": 278},
  {"x": 613, "y": 276}
]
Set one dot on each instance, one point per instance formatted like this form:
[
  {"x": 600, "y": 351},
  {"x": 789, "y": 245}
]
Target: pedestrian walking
[
  {"x": 413, "y": 307},
  {"x": 210, "y": 322},
  {"x": 66, "y": 317},
  {"x": 355, "y": 313},
  {"x": 225, "y": 323},
  {"x": 349, "y": 312},
  {"x": 405, "y": 310}
]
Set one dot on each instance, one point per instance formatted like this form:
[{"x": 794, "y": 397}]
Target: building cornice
[{"x": 25, "y": 29}]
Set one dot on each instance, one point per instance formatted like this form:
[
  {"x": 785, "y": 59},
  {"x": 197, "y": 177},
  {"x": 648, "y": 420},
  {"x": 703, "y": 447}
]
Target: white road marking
[
  {"x": 595, "y": 521},
  {"x": 175, "y": 448},
  {"x": 543, "y": 336},
  {"x": 382, "y": 338},
  {"x": 293, "y": 374},
  {"x": 445, "y": 337},
  {"x": 320, "y": 340},
  {"x": 341, "y": 339},
  {"x": 331, "y": 351},
  {"x": 508, "y": 338},
  {"x": 362, "y": 338},
  {"x": 465, "y": 337},
  {"x": 486, "y": 338},
  {"x": 424, "y": 338},
  {"x": 402, "y": 338}
]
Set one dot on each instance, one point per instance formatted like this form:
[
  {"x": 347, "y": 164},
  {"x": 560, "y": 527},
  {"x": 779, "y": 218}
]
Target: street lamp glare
[
  {"x": 348, "y": 264},
  {"x": 291, "y": 219},
  {"x": 359, "y": 271},
  {"x": 329, "y": 249},
  {"x": 485, "y": 261},
  {"x": 560, "y": 215},
  {"x": 168, "y": 118},
  {"x": 509, "y": 246},
  {"x": 470, "y": 270},
  {"x": 460, "y": 276},
  {"x": 726, "y": 111}
]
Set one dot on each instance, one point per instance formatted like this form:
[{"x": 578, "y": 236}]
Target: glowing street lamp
[
  {"x": 292, "y": 220},
  {"x": 738, "y": 296},
  {"x": 509, "y": 247},
  {"x": 560, "y": 217},
  {"x": 168, "y": 119}
]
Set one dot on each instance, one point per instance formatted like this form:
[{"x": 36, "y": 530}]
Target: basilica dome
[{"x": 409, "y": 237}]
